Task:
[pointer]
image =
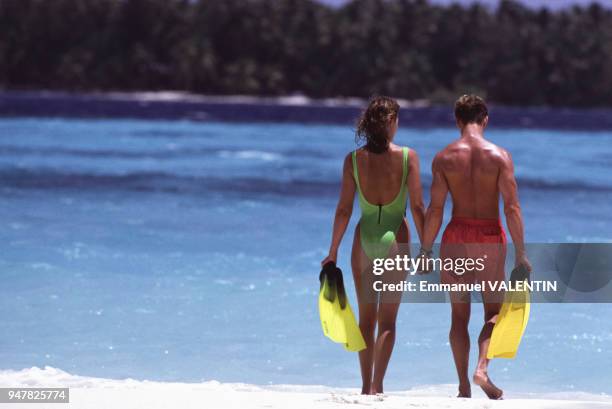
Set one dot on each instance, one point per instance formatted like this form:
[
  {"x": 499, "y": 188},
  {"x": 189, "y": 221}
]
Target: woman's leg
[
  {"x": 385, "y": 340},
  {"x": 367, "y": 311},
  {"x": 387, "y": 313}
]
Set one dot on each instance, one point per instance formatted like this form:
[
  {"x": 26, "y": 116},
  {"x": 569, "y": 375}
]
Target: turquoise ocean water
[{"x": 185, "y": 251}]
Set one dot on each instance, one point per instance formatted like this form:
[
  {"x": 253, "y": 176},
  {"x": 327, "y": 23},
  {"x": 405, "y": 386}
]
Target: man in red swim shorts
[{"x": 475, "y": 171}]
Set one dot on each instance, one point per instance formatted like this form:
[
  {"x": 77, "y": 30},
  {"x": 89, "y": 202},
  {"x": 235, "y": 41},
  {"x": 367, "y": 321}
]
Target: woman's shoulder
[
  {"x": 393, "y": 148},
  {"x": 357, "y": 152},
  {"x": 348, "y": 159},
  {"x": 349, "y": 156},
  {"x": 400, "y": 149}
]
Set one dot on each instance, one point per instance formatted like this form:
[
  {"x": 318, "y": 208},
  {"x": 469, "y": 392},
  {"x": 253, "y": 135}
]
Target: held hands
[{"x": 424, "y": 256}]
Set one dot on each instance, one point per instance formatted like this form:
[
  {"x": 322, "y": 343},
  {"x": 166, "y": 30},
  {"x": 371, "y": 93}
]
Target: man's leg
[
  {"x": 460, "y": 340},
  {"x": 481, "y": 377},
  {"x": 491, "y": 301}
]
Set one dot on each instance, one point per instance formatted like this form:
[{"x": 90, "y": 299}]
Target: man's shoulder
[
  {"x": 458, "y": 152},
  {"x": 441, "y": 155},
  {"x": 496, "y": 152},
  {"x": 450, "y": 151},
  {"x": 444, "y": 158}
]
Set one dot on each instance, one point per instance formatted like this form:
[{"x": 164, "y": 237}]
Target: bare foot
[
  {"x": 369, "y": 390},
  {"x": 465, "y": 391},
  {"x": 482, "y": 379},
  {"x": 376, "y": 390}
]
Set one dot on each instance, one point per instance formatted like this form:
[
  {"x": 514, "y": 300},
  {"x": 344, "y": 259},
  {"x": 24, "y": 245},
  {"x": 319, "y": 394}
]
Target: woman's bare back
[{"x": 380, "y": 174}]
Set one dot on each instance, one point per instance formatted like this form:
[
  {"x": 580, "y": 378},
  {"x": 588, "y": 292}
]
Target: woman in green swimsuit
[{"x": 383, "y": 174}]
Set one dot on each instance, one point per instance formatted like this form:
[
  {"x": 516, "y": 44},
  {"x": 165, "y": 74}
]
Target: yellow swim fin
[
  {"x": 512, "y": 320},
  {"x": 337, "y": 319}
]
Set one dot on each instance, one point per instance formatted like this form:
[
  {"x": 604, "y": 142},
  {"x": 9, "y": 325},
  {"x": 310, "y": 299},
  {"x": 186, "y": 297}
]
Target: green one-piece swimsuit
[{"x": 379, "y": 223}]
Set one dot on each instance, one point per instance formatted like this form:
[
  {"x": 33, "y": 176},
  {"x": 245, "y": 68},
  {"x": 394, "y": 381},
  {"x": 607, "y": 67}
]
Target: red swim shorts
[{"x": 466, "y": 238}]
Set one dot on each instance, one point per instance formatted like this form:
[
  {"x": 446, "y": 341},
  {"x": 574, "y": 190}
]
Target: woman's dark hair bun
[{"x": 373, "y": 124}]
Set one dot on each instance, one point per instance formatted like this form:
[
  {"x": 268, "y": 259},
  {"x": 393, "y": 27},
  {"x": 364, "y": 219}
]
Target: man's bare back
[
  {"x": 471, "y": 166},
  {"x": 477, "y": 173}
]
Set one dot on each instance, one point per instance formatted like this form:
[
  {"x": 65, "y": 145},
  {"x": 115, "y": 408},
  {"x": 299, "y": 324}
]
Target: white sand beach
[{"x": 97, "y": 393}]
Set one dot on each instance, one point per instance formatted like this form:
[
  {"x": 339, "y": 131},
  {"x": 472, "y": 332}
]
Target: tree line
[{"x": 411, "y": 49}]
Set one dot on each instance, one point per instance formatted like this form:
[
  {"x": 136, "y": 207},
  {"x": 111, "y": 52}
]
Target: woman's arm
[
  {"x": 415, "y": 191},
  {"x": 343, "y": 210}
]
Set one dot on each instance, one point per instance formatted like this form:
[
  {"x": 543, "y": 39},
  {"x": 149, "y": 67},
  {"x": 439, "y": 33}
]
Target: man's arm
[
  {"x": 512, "y": 209},
  {"x": 415, "y": 191},
  {"x": 435, "y": 211},
  {"x": 343, "y": 210}
]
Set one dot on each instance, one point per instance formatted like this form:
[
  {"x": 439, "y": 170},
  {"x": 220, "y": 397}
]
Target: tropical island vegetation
[{"x": 412, "y": 49}]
